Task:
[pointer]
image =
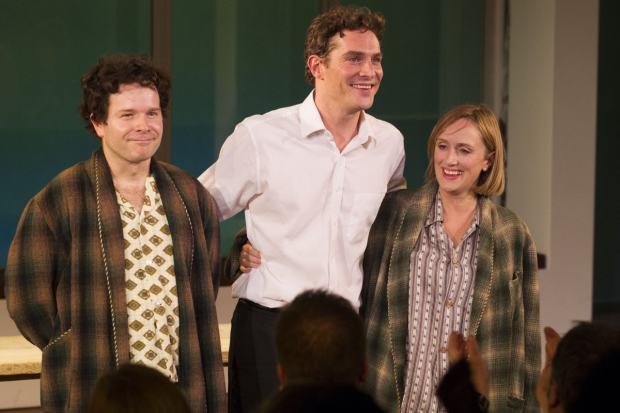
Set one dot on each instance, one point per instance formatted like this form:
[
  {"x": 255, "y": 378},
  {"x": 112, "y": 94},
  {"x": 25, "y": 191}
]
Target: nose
[
  {"x": 367, "y": 70},
  {"x": 451, "y": 160},
  {"x": 142, "y": 123}
]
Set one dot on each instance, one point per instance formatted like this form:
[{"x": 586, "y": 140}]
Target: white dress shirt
[{"x": 308, "y": 206}]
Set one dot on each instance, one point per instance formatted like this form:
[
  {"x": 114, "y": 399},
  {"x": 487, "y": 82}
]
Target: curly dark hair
[
  {"x": 325, "y": 26},
  {"x": 105, "y": 79}
]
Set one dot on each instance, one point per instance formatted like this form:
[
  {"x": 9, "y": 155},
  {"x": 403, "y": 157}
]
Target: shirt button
[
  {"x": 454, "y": 261},
  {"x": 338, "y": 189},
  {"x": 448, "y": 304},
  {"x": 444, "y": 350}
]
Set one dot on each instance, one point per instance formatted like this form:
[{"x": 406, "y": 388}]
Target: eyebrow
[
  {"x": 458, "y": 145},
  {"x": 356, "y": 54},
  {"x": 131, "y": 110}
]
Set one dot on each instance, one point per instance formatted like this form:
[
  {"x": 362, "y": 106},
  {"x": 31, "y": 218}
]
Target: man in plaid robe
[
  {"x": 65, "y": 278},
  {"x": 505, "y": 309}
]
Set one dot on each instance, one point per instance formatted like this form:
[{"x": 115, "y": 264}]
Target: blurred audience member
[
  {"x": 320, "y": 338},
  {"x": 598, "y": 393},
  {"x": 569, "y": 362},
  {"x": 323, "y": 398},
  {"x": 134, "y": 388},
  {"x": 465, "y": 387}
]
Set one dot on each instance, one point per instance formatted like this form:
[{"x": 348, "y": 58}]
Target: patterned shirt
[
  {"x": 441, "y": 290},
  {"x": 151, "y": 288}
]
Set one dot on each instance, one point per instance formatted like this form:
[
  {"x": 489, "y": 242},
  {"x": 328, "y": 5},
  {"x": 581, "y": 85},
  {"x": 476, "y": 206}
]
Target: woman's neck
[{"x": 458, "y": 205}]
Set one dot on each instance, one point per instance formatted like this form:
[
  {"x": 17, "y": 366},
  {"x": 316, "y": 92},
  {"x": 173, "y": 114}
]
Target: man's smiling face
[
  {"x": 132, "y": 132},
  {"x": 352, "y": 71}
]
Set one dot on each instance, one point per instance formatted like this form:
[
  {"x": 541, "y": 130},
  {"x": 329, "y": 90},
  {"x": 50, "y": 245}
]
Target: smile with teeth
[
  {"x": 453, "y": 173},
  {"x": 362, "y": 86}
]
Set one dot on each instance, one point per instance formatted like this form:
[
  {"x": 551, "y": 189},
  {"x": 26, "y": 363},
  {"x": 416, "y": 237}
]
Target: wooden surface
[
  {"x": 18, "y": 356},
  {"x": 20, "y": 360}
]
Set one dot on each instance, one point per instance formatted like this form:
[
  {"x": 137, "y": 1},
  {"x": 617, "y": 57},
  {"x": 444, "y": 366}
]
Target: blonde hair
[{"x": 491, "y": 181}]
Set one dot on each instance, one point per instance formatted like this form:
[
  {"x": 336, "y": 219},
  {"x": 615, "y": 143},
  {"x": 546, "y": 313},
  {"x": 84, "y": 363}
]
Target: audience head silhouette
[
  {"x": 320, "y": 338},
  {"x": 320, "y": 398},
  {"x": 576, "y": 356},
  {"x": 135, "y": 388}
]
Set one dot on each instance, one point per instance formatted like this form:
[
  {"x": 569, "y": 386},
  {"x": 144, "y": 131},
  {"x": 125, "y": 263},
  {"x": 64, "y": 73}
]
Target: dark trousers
[{"x": 252, "y": 374}]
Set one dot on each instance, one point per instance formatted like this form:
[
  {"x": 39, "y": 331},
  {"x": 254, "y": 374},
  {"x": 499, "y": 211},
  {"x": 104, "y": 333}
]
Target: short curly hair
[
  {"x": 105, "y": 79},
  {"x": 319, "y": 38}
]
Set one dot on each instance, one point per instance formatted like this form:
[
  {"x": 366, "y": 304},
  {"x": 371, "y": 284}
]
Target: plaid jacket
[
  {"x": 505, "y": 306},
  {"x": 65, "y": 284}
]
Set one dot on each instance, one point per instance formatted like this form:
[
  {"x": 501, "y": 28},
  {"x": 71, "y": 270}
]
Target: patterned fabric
[
  {"x": 65, "y": 284},
  {"x": 505, "y": 308},
  {"x": 153, "y": 306},
  {"x": 441, "y": 290}
]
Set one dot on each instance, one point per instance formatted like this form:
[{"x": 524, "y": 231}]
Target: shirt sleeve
[
  {"x": 397, "y": 181},
  {"x": 234, "y": 178},
  {"x": 32, "y": 266}
]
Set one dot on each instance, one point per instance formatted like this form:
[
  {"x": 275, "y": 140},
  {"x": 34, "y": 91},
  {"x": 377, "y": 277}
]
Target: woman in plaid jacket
[{"x": 450, "y": 229}]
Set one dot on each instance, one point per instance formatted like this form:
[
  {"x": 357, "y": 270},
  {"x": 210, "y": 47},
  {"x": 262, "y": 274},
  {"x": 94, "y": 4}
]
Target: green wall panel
[
  {"x": 433, "y": 60},
  {"x": 45, "y": 47},
  {"x": 232, "y": 59}
]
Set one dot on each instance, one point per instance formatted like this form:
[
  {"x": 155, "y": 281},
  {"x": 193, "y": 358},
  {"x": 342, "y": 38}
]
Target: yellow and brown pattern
[{"x": 152, "y": 303}]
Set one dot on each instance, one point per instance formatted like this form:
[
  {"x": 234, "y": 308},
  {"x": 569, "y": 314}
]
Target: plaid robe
[
  {"x": 505, "y": 310},
  {"x": 65, "y": 284}
]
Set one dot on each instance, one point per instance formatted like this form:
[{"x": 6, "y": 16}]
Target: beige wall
[{"x": 551, "y": 146}]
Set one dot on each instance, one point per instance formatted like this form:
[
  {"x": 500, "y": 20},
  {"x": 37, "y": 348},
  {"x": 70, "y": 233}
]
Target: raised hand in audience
[{"x": 459, "y": 348}]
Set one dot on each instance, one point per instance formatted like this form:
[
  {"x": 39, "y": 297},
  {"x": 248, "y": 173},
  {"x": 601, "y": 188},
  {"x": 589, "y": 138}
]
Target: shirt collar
[
  {"x": 311, "y": 122},
  {"x": 436, "y": 212}
]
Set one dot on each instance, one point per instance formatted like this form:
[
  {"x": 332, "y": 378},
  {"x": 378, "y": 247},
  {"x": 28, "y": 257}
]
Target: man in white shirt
[{"x": 311, "y": 178}]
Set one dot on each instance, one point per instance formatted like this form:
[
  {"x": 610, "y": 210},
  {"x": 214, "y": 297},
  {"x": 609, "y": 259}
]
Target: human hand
[
  {"x": 249, "y": 258},
  {"x": 459, "y": 348},
  {"x": 552, "y": 339}
]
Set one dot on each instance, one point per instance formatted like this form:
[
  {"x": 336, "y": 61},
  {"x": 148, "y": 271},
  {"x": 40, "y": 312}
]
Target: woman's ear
[{"x": 489, "y": 161}]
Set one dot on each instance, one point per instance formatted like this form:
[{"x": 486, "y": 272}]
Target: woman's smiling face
[{"x": 460, "y": 156}]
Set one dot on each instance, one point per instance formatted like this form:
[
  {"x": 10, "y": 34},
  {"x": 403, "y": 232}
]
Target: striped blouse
[{"x": 441, "y": 290}]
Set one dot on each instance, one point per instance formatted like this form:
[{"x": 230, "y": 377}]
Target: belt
[{"x": 260, "y": 307}]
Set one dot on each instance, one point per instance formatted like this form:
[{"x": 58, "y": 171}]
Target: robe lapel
[
  {"x": 399, "y": 272},
  {"x": 110, "y": 229},
  {"x": 178, "y": 221},
  {"x": 484, "y": 270}
]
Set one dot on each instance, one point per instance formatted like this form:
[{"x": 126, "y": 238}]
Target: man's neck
[
  {"x": 129, "y": 179},
  {"x": 342, "y": 125}
]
